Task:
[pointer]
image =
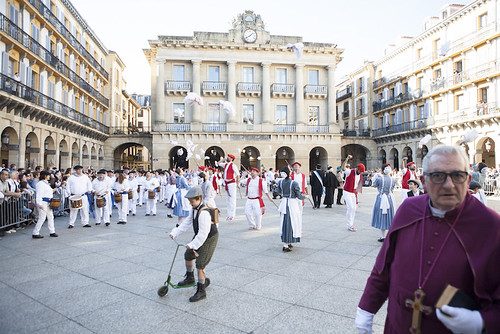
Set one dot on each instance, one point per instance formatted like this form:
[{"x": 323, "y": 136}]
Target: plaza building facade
[
  {"x": 443, "y": 82},
  {"x": 62, "y": 92},
  {"x": 284, "y": 104}
]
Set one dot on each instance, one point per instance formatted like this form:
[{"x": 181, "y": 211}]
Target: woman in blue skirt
[
  {"x": 290, "y": 219},
  {"x": 180, "y": 203},
  {"x": 383, "y": 209}
]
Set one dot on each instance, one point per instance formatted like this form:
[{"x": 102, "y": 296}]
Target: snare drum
[
  {"x": 100, "y": 202},
  {"x": 151, "y": 194},
  {"x": 158, "y": 189},
  {"x": 130, "y": 194},
  {"x": 118, "y": 197},
  {"x": 54, "y": 203},
  {"x": 76, "y": 201}
]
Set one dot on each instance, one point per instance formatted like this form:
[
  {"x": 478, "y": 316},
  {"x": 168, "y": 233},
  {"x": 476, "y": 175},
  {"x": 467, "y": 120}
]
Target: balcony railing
[
  {"x": 177, "y": 86},
  {"x": 481, "y": 110},
  {"x": 248, "y": 89},
  {"x": 345, "y": 114},
  {"x": 356, "y": 133},
  {"x": 317, "y": 128},
  {"x": 14, "y": 87},
  {"x": 48, "y": 15},
  {"x": 28, "y": 42},
  {"x": 177, "y": 127},
  {"x": 344, "y": 94},
  {"x": 214, "y": 127},
  {"x": 129, "y": 130},
  {"x": 407, "y": 126},
  {"x": 284, "y": 128},
  {"x": 379, "y": 82},
  {"x": 214, "y": 88},
  {"x": 393, "y": 101}
]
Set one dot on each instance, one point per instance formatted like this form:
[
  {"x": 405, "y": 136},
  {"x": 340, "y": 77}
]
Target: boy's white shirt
[{"x": 204, "y": 225}]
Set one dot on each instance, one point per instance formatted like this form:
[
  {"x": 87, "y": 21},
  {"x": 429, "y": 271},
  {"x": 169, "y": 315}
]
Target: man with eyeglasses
[{"x": 443, "y": 237}]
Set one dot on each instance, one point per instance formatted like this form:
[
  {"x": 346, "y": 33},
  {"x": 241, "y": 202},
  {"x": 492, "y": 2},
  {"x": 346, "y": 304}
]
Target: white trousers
[
  {"x": 123, "y": 208},
  {"x": 132, "y": 202},
  {"x": 151, "y": 206},
  {"x": 84, "y": 212},
  {"x": 253, "y": 213},
  {"x": 101, "y": 214},
  {"x": 141, "y": 196},
  {"x": 231, "y": 200},
  {"x": 350, "y": 201},
  {"x": 46, "y": 212}
]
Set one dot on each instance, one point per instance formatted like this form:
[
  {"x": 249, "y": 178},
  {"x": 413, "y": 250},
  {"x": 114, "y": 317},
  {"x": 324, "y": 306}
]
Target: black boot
[
  {"x": 200, "y": 293},
  {"x": 189, "y": 279}
]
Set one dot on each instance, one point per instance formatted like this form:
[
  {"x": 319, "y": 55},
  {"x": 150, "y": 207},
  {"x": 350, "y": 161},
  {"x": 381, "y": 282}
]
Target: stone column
[
  {"x": 196, "y": 116},
  {"x": 22, "y": 148},
  {"x": 332, "y": 114},
  {"x": 267, "y": 113},
  {"x": 300, "y": 114},
  {"x": 159, "y": 113},
  {"x": 231, "y": 88}
]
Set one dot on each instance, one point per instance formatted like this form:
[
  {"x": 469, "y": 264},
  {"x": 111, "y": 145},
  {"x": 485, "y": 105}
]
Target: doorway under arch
[{"x": 250, "y": 158}]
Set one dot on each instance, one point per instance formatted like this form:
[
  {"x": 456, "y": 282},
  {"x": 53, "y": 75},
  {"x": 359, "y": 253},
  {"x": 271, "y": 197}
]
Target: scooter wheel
[
  {"x": 162, "y": 291},
  {"x": 207, "y": 282}
]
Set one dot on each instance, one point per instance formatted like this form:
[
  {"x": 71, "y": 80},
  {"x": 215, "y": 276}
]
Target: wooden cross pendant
[{"x": 418, "y": 308}]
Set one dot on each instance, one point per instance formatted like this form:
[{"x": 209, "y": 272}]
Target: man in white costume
[{"x": 79, "y": 185}]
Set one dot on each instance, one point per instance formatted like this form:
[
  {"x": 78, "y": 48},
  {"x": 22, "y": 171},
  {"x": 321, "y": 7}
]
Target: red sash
[
  {"x": 261, "y": 201},
  {"x": 214, "y": 183}
]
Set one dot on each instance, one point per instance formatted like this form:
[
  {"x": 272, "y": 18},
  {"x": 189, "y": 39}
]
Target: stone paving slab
[{"x": 105, "y": 279}]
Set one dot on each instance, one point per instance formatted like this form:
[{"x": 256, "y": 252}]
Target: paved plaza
[{"x": 105, "y": 279}]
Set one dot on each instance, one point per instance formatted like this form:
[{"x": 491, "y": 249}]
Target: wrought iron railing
[
  {"x": 406, "y": 126},
  {"x": 30, "y": 43},
  {"x": 129, "y": 130},
  {"x": 356, "y": 133},
  {"x": 29, "y": 94},
  {"x": 401, "y": 98},
  {"x": 61, "y": 28}
]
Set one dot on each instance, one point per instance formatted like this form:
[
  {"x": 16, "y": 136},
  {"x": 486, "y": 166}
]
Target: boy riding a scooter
[{"x": 202, "y": 246}]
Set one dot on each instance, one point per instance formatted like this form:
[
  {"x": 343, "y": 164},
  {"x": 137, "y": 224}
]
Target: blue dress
[
  {"x": 383, "y": 213},
  {"x": 182, "y": 187}
]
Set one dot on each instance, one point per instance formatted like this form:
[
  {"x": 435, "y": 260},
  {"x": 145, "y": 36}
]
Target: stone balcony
[
  {"x": 213, "y": 88},
  {"x": 282, "y": 90},
  {"x": 177, "y": 87},
  {"x": 248, "y": 89},
  {"x": 315, "y": 91}
]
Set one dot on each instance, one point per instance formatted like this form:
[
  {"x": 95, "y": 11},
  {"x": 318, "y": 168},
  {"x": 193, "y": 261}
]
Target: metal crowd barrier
[
  {"x": 63, "y": 209},
  {"x": 492, "y": 187},
  {"x": 14, "y": 211}
]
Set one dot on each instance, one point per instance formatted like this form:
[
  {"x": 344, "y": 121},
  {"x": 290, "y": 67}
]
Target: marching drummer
[
  {"x": 80, "y": 188},
  {"x": 101, "y": 188},
  {"x": 132, "y": 200},
  {"x": 44, "y": 193},
  {"x": 121, "y": 186},
  {"x": 150, "y": 185}
]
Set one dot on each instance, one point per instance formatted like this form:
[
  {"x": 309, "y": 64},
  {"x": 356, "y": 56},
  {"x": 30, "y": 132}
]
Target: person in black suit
[
  {"x": 331, "y": 183},
  {"x": 317, "y": 179},
  {"x": 414, "y": 184}
]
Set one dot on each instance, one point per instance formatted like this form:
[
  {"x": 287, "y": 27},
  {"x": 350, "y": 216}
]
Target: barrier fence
[{"x": 14, "y": 211}]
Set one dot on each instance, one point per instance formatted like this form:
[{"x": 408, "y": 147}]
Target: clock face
[{"x": 249, "y": 36}]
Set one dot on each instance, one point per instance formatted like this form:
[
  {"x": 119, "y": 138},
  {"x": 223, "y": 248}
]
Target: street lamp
[
  {"x": 28, "y": 142},
  {"x": 488, "y": 145},
  {"x": 46, "y": 145},
  {"x": 5, "y": 138},
  {"x": 284, "y": 152},
  {"x": 317, "y": 152}
]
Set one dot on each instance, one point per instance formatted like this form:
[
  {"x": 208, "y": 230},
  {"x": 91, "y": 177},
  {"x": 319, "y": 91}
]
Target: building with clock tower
[{"x": 284, "y": 105}]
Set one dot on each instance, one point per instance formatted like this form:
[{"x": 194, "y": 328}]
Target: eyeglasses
[{"x": 441, "y": 177}]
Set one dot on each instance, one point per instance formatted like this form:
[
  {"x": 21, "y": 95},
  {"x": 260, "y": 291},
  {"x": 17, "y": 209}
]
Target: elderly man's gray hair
[{"x": 446, "y": 150}]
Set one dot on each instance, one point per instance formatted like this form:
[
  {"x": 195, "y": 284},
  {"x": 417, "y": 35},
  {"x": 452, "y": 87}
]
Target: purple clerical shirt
[{"x": 470, "y": 261}]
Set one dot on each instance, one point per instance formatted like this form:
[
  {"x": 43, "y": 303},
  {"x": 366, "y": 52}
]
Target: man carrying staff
[
  {"x": 231, "y": 181},
  {"x": 254, "y": 207},
  {"x": 409, "y": 173},
  {"x": 44, "y": 194},
  {"x": 79, "y": 184},
  {"x": 102, "y": 189},
  {"x": 443, "y": 237},
  {"x": 352, "y": 187}
]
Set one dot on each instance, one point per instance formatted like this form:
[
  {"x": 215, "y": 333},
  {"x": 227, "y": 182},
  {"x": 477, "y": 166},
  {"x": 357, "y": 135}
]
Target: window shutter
[
  {"x": 5, "y": 63},
  {"x": 22, "y": 72}
]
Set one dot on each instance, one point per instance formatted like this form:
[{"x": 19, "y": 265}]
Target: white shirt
[
  {"x": 121, "y": 187},
  {"x": 204, "y": 225},
  {"x": 269, "y": 177},
  {"x": 43, "y": 189},
  {"x": 79, "y": 185},
  {"x": 253, "y": 188},
  {"x": 100, "y": 187},
  {"x": 151, "y": 184},
  {"x": 133, "y": 184},
  {"x": 298, "y": 178}
]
